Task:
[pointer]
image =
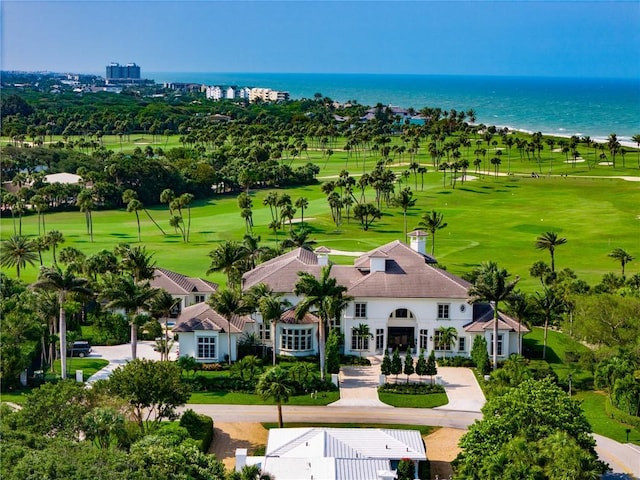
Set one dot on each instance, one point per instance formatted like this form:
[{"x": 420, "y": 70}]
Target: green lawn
[
  {"x": 593, "y": 407},
  {"x": 414, "y": 401},
  {"x": 89, "y": 366},
  {"x": 489, "y": 218},
  {"x": 558, "y": 344},
  {"x": 232, "y": 398}
]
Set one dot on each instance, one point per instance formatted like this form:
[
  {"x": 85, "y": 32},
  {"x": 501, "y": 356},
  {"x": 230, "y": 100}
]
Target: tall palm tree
[
  {"x": 63, "y": 283},
  {"x": 54, "y": 238},
  {"x": 319, "y": 293},
  {"x": 551, "y": 304},
  {"x": 491, "y": 285},
  {"x": 405, "y": 201},
  {"x": 131, "y": 296},
  {"x": 226, "y": 257},
  {"x": 432, "y": 222},
  {"x": 636, "y": 139},
  {"x": 299, "y": 239},
  {"x": 447, "y": 337},
  {"x": 302, "y": 203},
  {"x": 229, "y": 303},
  {"x": 135, "y": 206},
  {"x": 549, "y": 241},
  {"x": 271, "y": 308},
  {"x": 161, "y": 307},
  {"x": 127, "y": 197},
  {"x": 622, "y": 256},
  {"x": 275, "y": 383},
  {"x": 86, "y": 204},
  {"x": 17, "y": 251}
]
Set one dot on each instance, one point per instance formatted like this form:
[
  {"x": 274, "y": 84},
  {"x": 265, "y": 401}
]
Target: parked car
[{"x": 80, "y": 349}]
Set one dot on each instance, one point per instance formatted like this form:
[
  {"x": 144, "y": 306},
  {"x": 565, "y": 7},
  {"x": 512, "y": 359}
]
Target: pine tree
[
  {"x": 408, "y": 365},
  {"x": 385, "y": 368},
  {"x": 421, "y": 365},
  {"x": 480, "y": 356},
  {"x": 396, "y": 364},
  {"x": 432, "y": 369}
]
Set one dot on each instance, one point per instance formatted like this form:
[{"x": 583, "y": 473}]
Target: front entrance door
[{"x": 401, "y": 337}]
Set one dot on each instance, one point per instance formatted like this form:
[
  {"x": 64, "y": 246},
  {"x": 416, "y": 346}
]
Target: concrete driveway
[
  {"x": 120, "y": 354},
  {"x": 465, "y": 395}
]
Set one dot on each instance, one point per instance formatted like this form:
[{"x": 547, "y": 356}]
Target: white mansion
[{"x": 397, "y": 290}]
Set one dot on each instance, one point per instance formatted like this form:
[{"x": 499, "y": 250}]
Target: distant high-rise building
[{"x": 130, "y": 71}]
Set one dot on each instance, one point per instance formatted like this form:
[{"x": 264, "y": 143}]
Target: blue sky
[{"x": 536, "y": 38}]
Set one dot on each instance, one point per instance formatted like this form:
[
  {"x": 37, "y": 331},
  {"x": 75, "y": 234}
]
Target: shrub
[
  {"x": 354, "y": 360},
  {"x": 411, "y": 388},
  {"x": 457, "y": 361},
  {"x": 200, "y": 428},
  {"x": 211, "y": 367}
]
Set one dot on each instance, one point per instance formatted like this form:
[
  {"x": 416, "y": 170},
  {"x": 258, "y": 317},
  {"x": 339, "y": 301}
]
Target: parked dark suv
[{"x": 79, "y": 349}]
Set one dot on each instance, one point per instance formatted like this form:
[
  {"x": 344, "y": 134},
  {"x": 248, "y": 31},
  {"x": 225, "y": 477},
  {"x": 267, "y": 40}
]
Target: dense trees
[{"x": 533, "y": 431}]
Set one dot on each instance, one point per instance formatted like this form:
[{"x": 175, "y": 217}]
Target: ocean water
[{"x": 595, "y": 107}]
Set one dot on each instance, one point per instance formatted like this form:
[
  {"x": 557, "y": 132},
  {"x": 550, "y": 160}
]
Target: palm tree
[
  {"x": 53, "y": 239},
  {"x": 135, "y": 206},
  {"x": 299, "y": 239},
  {"x": 446, "y": 338},
  {"x": 549, "y": 241},
  {"x": 622, "y": 256},
  {"x": 551, "y": 304},
  {"x": 405, "y": 201},
  {"x": 128, "y": 196},
  {"x": 63, "y": 283},
  {"x": 302, "y": 203},
  {"x": 226, "y": 257},
  {"x": 17, "y": 251},
  {"x": 86, "y": 204},
  {"x": 229, "y": 303},
  {"x": 491, "y": 285},
  {"x": 161, "y": 307},
  {"x": 271, "y": 307},
  {"x": 137, "y": 261},
  {"x": 276, "y": 384},
  {"x": 432, "y": 222},
  {"x": 131, "y": 296},
  {"x": 361, "y": 332},
  {"x": 636, "y": 139},
  {"x": 40, "y": 204},
  {"x": 318, "y": 294}
]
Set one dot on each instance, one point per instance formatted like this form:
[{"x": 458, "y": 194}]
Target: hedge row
[
  {"x": 200, "y": 428},
  {"x": 411, "y": 388}
]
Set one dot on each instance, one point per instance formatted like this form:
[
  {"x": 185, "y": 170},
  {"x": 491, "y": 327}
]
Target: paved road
[{"x": 359, "y": 403}]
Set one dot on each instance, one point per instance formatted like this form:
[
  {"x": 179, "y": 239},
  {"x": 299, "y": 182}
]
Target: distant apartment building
[
  {"x": 213, "y": 93},
  {"x": 130, "y": 71},
  {"x": 267, "y": 95}
]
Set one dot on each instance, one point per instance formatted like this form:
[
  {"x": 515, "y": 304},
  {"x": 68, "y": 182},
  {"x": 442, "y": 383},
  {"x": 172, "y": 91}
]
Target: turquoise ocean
[{"x": 595, "y": 107}]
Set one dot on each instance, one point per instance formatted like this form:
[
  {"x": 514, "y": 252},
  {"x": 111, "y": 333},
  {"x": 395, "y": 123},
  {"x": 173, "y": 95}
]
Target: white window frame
[
  {"x": 296, "y": 339},
  {"x": 207, "y": 343},
  {"x": 462, "y": 344},
  {"x": 436, "y": 343},
  {"x": 500, "y": 345},
  {"x": 360, "y": 310},
  {"x": 199, "y": 298},
  {"x": 364, "y": 341},
  {"x": 264, "y": 331},
  {"x": 444, "y": 311},
  {"x": 423, "y": 338},
  {"x": 379, "y": 338}
]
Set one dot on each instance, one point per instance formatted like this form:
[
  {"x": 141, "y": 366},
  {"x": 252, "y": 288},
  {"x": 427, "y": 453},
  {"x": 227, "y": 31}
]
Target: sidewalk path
[{"x": 359, "y": 386}]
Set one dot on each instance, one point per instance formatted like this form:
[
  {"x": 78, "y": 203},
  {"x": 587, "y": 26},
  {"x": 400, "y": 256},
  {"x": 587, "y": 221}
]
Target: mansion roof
[
  {"x": 201, "y": 316},
  {"x": 406, "y": 274},
  {"x": 178, "y": 284}
]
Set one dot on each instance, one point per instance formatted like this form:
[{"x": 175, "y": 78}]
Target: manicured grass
[
  {"x": 489, "y": 218},
  {"x": 232, "y": 398},
  {"x": 17, "y": 397},
  {"x": 558, "y": 344},
  {"x": 593, "y": 405},
  {"x": 88, "y": 365},
  {"x": 414, "y": 401}
]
